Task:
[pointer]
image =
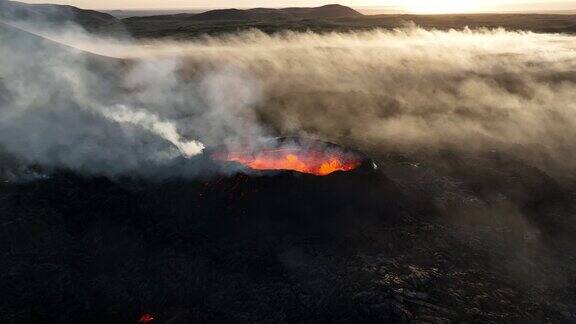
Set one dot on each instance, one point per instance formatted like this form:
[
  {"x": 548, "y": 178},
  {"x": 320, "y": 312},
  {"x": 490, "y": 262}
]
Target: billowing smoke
[
  {"x": 401, "y": 90},
  {"x": 64, "y": 108},
  {"x": 414, "y": 89}
]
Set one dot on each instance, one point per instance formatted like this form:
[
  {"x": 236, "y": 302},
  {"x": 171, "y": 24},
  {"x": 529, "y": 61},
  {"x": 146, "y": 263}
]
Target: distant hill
[
  {"x": 121, "y": 14},
  {"x": 237, "y": 14},
  {"x": 328, "y": 11},
  {"x": 57, "y": 15}
]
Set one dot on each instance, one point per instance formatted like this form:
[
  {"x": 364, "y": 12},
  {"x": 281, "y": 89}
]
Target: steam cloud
[{"x": 405, "y": 90}]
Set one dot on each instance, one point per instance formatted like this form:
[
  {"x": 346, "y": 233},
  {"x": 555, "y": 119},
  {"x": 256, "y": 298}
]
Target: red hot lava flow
[{"x": 305, "y": 160}]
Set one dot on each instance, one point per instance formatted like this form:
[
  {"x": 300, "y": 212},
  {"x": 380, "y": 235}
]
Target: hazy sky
[{"x": 419, "y": 6}]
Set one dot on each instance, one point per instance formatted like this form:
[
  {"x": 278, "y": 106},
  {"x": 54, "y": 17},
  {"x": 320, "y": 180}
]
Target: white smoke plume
[
  {"x": 164, "y": 129},
  {"x": 407, "y": 89}
]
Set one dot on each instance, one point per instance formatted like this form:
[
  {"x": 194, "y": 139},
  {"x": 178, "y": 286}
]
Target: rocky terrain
[{"x": 402, "y": 244}]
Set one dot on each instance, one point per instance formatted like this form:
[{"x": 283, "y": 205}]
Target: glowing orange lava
[
  {"x": 146, "y": 318},
  {"x": 305, "y": 161}
]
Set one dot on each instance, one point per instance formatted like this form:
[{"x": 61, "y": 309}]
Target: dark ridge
[
  {"x": 233, "y": 14},
  {"x": 328, "y": 11},
  {"x": 57, "y": 15}
]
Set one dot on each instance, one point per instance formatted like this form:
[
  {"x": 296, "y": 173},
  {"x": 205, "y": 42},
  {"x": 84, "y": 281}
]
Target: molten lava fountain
[{"x": 314, "y": 161}]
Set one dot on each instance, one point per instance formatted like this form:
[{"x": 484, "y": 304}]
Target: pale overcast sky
[{"x": 420, "y": 6}]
